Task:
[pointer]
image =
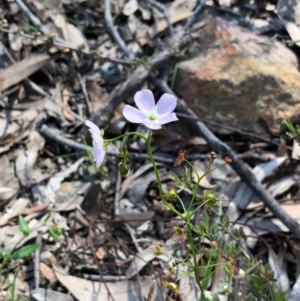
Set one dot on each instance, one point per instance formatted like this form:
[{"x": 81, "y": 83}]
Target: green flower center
[{"x": 152, "y": 117}]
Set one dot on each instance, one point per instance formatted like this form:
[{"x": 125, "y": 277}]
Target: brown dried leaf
[
  {"x": 83, "y": 289},
  {"x": 27, "y": 158},
  {"x": 71, "y": 33},
  {"x": 15, "y": 40},
  {"x": 7, "y": 192},
  {"x": 47, "y": 272},
  {"x": 15, "y": 127},
  {"x": 65, "y": 99},
  {"x": 17, "y": 208}
]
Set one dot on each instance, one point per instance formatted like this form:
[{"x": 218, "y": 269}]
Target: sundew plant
[{"x": 213, "y": 246}]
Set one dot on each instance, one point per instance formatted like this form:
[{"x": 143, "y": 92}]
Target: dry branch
[{"x": 112, "y": 29}]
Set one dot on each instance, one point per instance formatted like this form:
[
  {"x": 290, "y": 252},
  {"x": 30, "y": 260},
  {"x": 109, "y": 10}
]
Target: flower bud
[
  {"x": 228, "y": 160},
  {"x": 241, "y": 274},
  {"x": 170, "y": 194},
  {"x": 123, "y": 169},
  {"x": 213, "y": 155},
  {"x": 210, "y": 198},
  {"x": 124, "y": 164}
]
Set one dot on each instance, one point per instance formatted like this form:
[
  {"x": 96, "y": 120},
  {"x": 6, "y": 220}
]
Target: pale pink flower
[
  {"x": 149, "y": 114},
  {"x": 98, "y": 143}
]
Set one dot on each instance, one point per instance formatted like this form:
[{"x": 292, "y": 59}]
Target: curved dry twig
[
  {"x": 192, "y": 18},
  {"x": 36, "y": 22},
  {"x": 164, "y": 10},
  {"x": 113, "y": 31}
]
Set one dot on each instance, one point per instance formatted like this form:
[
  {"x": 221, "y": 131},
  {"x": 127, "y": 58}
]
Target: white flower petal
[
  {"x": 167, "y": 119},
  {"x": 133, "y": 115},
  {"x": 100, "y": 159},
  {"x": 98, "y": 140},
  {"x": 166, "y": 104},
  {"x": 93, "y": 127},
  {"x": 153, "y": 125},
  {"x": 144, "y": 100}
]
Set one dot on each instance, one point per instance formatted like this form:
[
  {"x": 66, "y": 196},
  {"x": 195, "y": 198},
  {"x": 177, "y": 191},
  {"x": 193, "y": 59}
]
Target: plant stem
[
  {"x": 195, "y": 263},
  {"x": 149, "y": 148}
]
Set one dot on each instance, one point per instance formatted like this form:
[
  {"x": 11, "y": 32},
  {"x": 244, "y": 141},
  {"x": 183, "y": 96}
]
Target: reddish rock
[{"x": 248, "y": 81}]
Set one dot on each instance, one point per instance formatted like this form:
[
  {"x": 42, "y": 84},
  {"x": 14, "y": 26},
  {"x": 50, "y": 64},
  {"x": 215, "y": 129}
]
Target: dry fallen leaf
[
  {"x": 83, "y": 289},
  {"x": 17, "y": 208},
  {"x": 15, "y": 40},
  {"x": 100, "y": 253},
  {"x": 21, "y": 70},
  {"x": 65, "y": 99},
  {"x": 71, "y": 33},
  {"x": 130, "y": 7},
  {"x": 16, "y": 126},
  {"x": 47, "y": 272},
  {"x": 42, "y": 294}
]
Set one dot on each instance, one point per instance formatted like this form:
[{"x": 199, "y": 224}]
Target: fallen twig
[
  {"x": 151, "y": 291},
  {"x": 56, "y": 101},
  {"x": 164, "y": 10},
  {"x": 91, "y": 243},
  {"x": 47, "y": 132},
  {"x": 192, "y": 18},
  {"x": 113, "y": 31},
  {"x": 86, "y": 96},
  {"x": 117, "y": 197},
  {"x": 36, "y": 22}
]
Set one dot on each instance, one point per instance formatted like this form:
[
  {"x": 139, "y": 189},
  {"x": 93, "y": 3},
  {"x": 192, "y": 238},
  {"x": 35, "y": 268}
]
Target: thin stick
[
  {"x": 37, "y": 23},
  {"x": 164, "y": 10},
  {"x": 91, "y": 243},
  {"x": 151, "y": 291},
  {"x": 117, "y": 197},
  {"x": 47, "y": 132},
  {"x": 86, "y": 96},
  {"x": 113, "y": 31},
  {"x": 42, "y": 40},
  {"x": 192, "y": 18},
  {"x": 56, "y": 101}
]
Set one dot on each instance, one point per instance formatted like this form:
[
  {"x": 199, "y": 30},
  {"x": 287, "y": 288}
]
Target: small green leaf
[
  {"x": 290, "y": 127},
  {"x": 54, "y": 233},
  {"x": 48, "y": 216},
  {"x": 205, "y": 221},
  {"x": 24, "y": 228},
  {"x": 24, "y": 251}
]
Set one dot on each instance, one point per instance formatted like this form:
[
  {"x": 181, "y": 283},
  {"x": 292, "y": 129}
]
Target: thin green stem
[
  {"x": 149, "y": 148},
  {"x": 124, "y": 135},
  {"x": 194, "y": 255},
  {"x": 181, "y": 203}
]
